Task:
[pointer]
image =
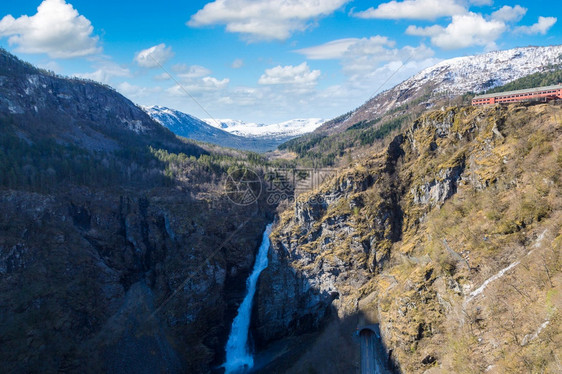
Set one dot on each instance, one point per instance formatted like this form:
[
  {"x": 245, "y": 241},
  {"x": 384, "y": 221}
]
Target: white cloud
[
  {"x": 424, "y": 31},
  {"x": 481, "y": 2},
  {"x": 52, "y": 66},
  {"x": 162, "y": 77},
  {"x": 185, "y": 73},
  {"x": 290, "y": 75},
  {"x": 154, "y": 56},
  {"x": 194, "y": 71},
  {"x": 243, "y": 96},
  {"x": 199, "y": 86},
  {"x": 464, "y": 31},
  {"x": 371, "y": 46},
  {"x": 180, "y": 68},
  {"x": 414, "y": 9},
  {"x": 194, "y": 79},
  {"x": 361, "y": 56},
  {"x": 214, "y": 83},
  {"x": 541, "y": 27},
  {"x": 134, "y": 91},
  {"x": 264, "y": 19},
  {"x": 237, "y": 63},
  {"x": 176, "y": 90},
  {"x": 509, "y": 14},
  {"x": 56, "y": 29},
  {"x": 106, "y": 70},
  {"x": 366, "y": 57},
  {"x": 337, "y": 48}
]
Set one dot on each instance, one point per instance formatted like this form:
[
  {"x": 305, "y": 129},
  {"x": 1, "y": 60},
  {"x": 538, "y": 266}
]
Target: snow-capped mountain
[
  {"x": 182, "y": 124},
  {"x": 482, "y": 72},
  {"x": 285, "y": 130},
  {"x": 454, "y": 77},
  {"x": 230, "y": 133},
  {"x": 185, "y": 125}
]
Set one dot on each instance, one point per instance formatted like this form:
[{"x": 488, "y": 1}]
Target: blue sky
[{"x": 264, "y": 60}]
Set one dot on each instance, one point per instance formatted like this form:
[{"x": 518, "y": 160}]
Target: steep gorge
[
  {"x": 121, "y": 281},
  {"x": 450, "y": 239},
  {"x": 119, "y": 249}
]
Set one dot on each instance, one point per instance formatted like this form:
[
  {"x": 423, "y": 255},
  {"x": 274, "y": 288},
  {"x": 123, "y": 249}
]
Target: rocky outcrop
[
  {"x": 438, "y": 190},
  {"x": 405, "y": 236},
  {"x": 314, "y": 253},
  {"x": 112, "y": 287}
]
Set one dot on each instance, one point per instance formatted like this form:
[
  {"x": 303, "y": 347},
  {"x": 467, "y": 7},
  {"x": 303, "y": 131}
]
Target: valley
[{"x": 132, "y": 237}]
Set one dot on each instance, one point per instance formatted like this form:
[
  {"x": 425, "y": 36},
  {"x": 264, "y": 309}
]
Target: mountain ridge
[
  {"x": 191, "y": 127},
  {"x": 105, "y": 213},
  {"x": 230, "y": 133},
  {"x": 282, "y": 130},
  {"x": 449, "y": 78},
  {"x": 75, "y": 111}
]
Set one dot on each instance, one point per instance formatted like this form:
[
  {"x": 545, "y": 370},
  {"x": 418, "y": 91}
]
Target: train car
[{"x": 546, "y": 93}]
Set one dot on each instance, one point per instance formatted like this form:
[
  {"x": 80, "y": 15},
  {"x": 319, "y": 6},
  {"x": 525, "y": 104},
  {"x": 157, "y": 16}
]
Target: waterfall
[{"x": 238, "y": 356}]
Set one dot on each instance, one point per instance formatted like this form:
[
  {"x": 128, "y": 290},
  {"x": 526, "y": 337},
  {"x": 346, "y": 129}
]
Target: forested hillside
[
  {"x": 120, "y": 250},
  {"x": 548, "y": 78}
]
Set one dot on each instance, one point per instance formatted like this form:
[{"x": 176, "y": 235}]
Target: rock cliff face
[
  {"x": 124, "y": 282},
  {"x": 114, "y": 257},
  {"x": 450, "y": 239}
]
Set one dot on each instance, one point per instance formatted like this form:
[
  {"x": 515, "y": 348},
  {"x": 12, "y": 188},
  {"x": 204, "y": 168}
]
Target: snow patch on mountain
[
  {"x": 171, "y": 118},
  {"x": 230, "y": 133},
  {"x": 453, "y": 77},
  {"x": 482, "y": 72},
  {"x": 287, "y": 129}
]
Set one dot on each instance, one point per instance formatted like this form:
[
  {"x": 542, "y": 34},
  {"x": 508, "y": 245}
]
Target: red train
[{"x": 532, "y": 94}]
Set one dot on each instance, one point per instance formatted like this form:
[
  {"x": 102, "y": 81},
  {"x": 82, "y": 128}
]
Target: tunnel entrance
[{"x": 374, "y": 358}]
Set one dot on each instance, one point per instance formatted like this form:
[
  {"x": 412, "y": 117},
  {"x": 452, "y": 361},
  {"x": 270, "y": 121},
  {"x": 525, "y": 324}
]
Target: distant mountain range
[
  {"x": 190, "y": 127},
  {"x": 448, "y": 78},
  {"x": 231, "y": 133},
  {"x": 284, "y": 130},
  {"x": 451, "y": 78}
]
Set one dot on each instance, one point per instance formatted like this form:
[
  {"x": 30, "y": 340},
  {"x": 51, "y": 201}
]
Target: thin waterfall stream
[{"x": 239, "y": 359}]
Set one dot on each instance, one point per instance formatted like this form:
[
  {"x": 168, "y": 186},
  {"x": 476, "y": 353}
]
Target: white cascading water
[{"x": 238, "y": 356}]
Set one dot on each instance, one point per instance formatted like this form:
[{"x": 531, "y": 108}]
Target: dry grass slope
[{"x": 454, "y": 240}]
